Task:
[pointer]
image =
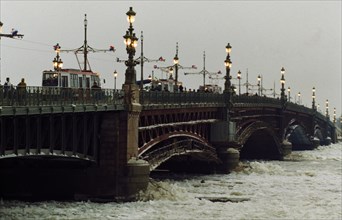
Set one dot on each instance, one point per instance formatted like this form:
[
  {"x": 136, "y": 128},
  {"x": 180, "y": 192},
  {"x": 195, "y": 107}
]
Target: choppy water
[{"x": 307, "y": 185}]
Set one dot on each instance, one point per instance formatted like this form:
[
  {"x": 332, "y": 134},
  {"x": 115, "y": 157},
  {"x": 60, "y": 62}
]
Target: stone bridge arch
[
  {"x": 258, "y": 140},
  {"x": 298, "y": 135},
  {"x": 180, "y": 151}
]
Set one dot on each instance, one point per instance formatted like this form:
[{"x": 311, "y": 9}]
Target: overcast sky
[{"x": 304, "y": 37}]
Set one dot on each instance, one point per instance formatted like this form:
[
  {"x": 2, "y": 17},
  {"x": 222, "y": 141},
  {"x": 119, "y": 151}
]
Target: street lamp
[
  {"x": 313, "y": 98},
  {"x": 239, "y": 78},
  {"x": 175, "y": 62},
  {"x": 299, "y": 98},
  {"x": 282, "y": 81},
  {"x": 57, "y": 63},
  {"x": 288, "y": 93},
  {"x": 259, "y": 85},
  {"x": 115, "y": 74},
  {"x": 228, "y": 64},
  {"x": 131, "y": 42},
  {"x": 334, "y": 119},
  {"x": 327, "y": 108}
]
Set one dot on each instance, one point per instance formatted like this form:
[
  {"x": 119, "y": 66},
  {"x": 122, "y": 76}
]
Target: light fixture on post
[
  {"x": 299, "y": 101},
  {"x": 289, "y": 93},
  {"x": 115, "y": 74},
  {"x": 327, "y": 108},
  {"x": 131, "y": 42},
  {"x": 282, "y": 82},
  {"x": 227, "y": 85},
  {"x": 239, "y": 78},
  {"x": 259, "y": 85},
  {"x": 175, "y": 62},
  {"x": 313, "y": 98},
  {"x": 334, "y": 118},
  {"x": 57, "y": 63},
  {"x": 228, "y": 64}
]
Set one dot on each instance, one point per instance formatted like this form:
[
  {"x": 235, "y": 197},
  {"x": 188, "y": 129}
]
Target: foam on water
[{"x": 307, "y": 185}]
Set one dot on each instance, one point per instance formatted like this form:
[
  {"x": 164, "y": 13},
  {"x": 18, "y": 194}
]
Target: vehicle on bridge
[
  {"x": 213, "y": 88},
  {"x": 70, "y": 78}
]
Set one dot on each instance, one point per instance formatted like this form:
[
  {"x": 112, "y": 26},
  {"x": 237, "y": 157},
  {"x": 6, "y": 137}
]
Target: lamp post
[
  {"x": 334, "y": 119},
  {"x": 239, "y": 78},
  {"x": 144, "y": 59},
  {"x": 228, "y": 64},
  {"x": 327, "y": 108},
  {"x": 115, "y": 74},
  {"x": 299, "y": 101},
  {"x": 313, "y": 98},
  {"x": 282, "y": 81},
  {"x": 175, "y": 62},
  {"x": 259, "y": 85},
  {"x": 57, "y": 62},
  {"x": 289, "y": 93},
  {"x": 131, "y": 42}
]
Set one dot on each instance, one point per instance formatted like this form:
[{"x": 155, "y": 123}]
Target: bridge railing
[
  {"x": 161, "y": 97},
  {"x": 255, "y": 100},
  {"x": 53, "y": 96}
]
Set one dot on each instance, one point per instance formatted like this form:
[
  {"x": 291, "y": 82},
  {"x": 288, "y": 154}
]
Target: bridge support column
[
  {"x": 230, "y": 159},
  {"x": 286, "y": 148},
  {"x": 137, "y": 172}
]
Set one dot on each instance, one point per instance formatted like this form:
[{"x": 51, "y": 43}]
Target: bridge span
[{"x": 58, "y": 143}]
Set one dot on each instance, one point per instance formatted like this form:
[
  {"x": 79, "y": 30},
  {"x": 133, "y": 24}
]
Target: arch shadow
[{"x": 258, "y": 140}]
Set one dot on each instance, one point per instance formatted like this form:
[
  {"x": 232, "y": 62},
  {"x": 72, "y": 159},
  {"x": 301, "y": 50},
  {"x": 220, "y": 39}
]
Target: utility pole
[
  {"x": 204, "y": 72},
  {"x": 85, "y": 49},
  {"x": 14, "y": 34}
]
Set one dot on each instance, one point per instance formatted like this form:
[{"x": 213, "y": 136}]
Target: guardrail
[{"x": 56, "y": 96}]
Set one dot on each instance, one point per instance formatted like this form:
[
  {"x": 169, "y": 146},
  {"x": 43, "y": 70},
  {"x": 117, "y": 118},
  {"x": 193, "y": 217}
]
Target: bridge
[{"x": 92, "y": 143}]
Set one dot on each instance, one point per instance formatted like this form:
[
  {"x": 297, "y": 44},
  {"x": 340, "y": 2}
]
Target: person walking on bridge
[{"x": 21, "y": 89}]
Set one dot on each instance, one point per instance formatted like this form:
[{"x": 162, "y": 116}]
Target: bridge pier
[
  {"x": 230, "y": 158},
  {"x": 222, "y": 135}
]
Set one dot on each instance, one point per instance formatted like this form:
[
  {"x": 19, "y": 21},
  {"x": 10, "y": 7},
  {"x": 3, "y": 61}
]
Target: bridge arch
[
  {"x": 298, "y": 135},
  {"x": 258, "y": 140},
  {"x": 179, "y": 151}
]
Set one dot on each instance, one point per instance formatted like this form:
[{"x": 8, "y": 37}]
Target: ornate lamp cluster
[
  {"x": 131, "y": 42},
  {"x": 228, "y": 64},
  {"x": 282, "y": 82},
  {"x": 313, "y": 98},
  {"x": 57, "y": 61}
]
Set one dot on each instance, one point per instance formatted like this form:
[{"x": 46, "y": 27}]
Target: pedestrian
[
  {"x": 7, "y": 87},
  {"x": 21, "y": 88}
]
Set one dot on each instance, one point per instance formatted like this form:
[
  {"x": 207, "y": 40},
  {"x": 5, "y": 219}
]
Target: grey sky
[{"x": 302, "y": 36}]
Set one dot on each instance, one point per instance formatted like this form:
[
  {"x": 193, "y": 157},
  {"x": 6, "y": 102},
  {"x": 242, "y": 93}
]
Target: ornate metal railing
[
  {"x": 157, "y": 97},
  {"x": 55, "y": 96}
]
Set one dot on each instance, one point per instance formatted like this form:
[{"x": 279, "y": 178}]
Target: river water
[{"x": 306, "y": 185}]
